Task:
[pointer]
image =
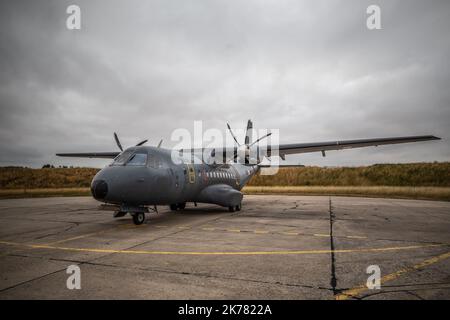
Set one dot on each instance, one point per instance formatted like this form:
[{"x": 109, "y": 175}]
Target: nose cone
[{"x": 99, "y": 189}]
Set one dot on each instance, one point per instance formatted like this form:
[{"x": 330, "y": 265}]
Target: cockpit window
[
  {"x": 137, "y": 159},
  {"x": 121, "y": 158}
]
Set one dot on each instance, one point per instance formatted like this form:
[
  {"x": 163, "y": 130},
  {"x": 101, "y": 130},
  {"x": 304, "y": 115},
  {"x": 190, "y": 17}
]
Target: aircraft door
[{"x": 190, "y": 173}]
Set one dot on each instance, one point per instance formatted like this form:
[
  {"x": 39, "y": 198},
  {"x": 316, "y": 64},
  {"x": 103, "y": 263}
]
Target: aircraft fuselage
[{"x": 154, "y": 179}]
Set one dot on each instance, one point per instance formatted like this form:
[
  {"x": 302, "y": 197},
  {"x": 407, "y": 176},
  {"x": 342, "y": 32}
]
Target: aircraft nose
[{"x": 99, "y": 189}]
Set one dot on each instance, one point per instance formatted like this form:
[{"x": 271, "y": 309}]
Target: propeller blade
[
  {"x": 263, "y": 137},
  {"x": 247, "y": 133},
  {"x": 141, "y": 143},
  {"x": 232, "y": 134},
  {"x": 117, "y": 141},
  {"x": 160, "y": 143}
]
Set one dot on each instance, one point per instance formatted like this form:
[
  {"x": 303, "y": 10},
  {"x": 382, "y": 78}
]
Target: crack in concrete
[
  {"x": 70, "y": 227},
  {"x": 31, "y": 280},
  {"x": 408, "y": 291},
  {"x": 106, "y": 255},
  {"x": 333, "y": 279},
  {"x": 204, "y": 275}
]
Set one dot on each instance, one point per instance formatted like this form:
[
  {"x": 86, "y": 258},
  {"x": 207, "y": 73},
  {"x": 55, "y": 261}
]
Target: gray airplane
[{"x": 142, "y": 177}]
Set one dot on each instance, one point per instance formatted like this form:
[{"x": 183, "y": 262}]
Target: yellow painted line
[
  {"x": 159, "y": 226},
  {"x": 356, "y": 237},
  {"x": 362, "y": 288},
  {"x": 320, "y": 235},
  {"x": 291, "y": 233},
  {"x": 282, "y": 252},
  {"x": 233, "y": 230},
  {"x": 208, "y": 229},
  {"x": 260, "y": 231}
]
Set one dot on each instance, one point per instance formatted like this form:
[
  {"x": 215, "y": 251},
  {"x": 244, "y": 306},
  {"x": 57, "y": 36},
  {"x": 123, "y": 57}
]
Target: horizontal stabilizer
[{"x": 281, "y": 165}]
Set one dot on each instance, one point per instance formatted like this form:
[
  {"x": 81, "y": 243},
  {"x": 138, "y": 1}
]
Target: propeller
[
  {"x": 118, "y": 141},
  {"x": 232, "y": 134},
  {"x": 248, "y": 132},
  {"x": 247, "y": 143},
  {"x": 263, "y": 137},
  {"x": 116, "y": 137},
  {"x": 141, "y": 143}
]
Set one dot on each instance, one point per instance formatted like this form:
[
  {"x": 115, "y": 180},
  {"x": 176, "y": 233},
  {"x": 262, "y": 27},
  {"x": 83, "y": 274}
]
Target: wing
[
  {"x": 101, "y": 155},
  {"x": 296, "y": 148},
  {"x": 346, "y": 144}
]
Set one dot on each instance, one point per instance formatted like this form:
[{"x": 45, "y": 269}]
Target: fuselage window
[
  {"x": 154, "y": 161},
  {"x": 138, "y": 159},
  {"x": 151, "y": 161}
]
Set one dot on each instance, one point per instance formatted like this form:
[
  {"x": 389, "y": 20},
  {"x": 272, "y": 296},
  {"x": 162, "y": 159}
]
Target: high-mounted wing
[
  {"x": 296, "y": 148},
  {"x": 282, "y": 150},
  {"x": 102, "y": 155}
]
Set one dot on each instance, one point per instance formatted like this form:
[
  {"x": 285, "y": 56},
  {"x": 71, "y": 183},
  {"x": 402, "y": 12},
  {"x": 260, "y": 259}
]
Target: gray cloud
[{"x": 145, "y": 68}]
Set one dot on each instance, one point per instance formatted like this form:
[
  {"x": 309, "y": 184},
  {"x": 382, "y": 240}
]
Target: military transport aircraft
[{"x": 142, "y": 177}]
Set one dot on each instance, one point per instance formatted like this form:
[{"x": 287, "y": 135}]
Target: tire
[
  {"x": 238, "y": 207},
  {"x": 173, "y": 207},
  {"x": 139, "y": 218},
  {"x": 231, "y": 208},
  {"x": 181, "y": 206}
]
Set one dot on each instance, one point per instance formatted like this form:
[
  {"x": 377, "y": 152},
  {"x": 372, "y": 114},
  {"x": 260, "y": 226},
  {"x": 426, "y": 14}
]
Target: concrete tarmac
[{"x": 277, "y": 247}]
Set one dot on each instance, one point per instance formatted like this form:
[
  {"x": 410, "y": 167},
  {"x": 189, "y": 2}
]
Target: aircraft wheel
[
  {"x": 181, "y": 206},
  {"x": 139, "y": 218},
  {"x": 173, "y": 207},
  {"x": 238, "y": 207},
  {"x": 231, "y": 208}
]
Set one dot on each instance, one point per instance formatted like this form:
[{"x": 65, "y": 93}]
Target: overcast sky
[{"x": 144, "y": 68}]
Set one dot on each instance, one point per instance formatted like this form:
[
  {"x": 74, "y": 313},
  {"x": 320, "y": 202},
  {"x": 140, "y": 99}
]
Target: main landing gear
[
  {"x": 138, "y": 218},
  {"x": 178, "y": 206},
  {"x": 235, "y": 208}
]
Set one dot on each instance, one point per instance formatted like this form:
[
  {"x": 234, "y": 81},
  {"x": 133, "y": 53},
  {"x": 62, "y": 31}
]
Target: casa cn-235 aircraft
[{"x": 142, "y": 177}]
